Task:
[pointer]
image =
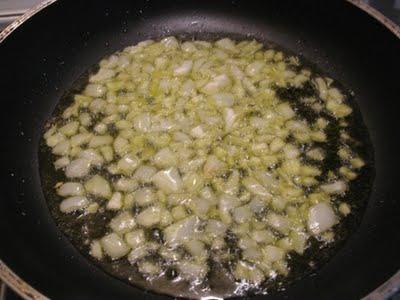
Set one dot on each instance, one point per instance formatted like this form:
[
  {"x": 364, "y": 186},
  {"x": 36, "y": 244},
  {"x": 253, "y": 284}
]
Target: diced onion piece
[
  {"x": 278, "y": 222},
  {"x": 102, "y": 74},
  {"x": 135, "y": 238},
  {"x": 184, "y": 68},
  {"x": 93, "y": 156},
  {"x": 229, "y": 118},
  {"x": 78, "y": 168},
  {"x": 181, "y": 231},
  {"x": 114, "y": 246},
  {"x": 193, "y": 182},
  {"x": 254, "y": 68},
  {"x": 321, "y": 218},
  {"x": 285, "y": 111},
  {"x": 242, "y": 214},
  {"x": 165, "y": 158},
  {"x": 168, "y": 180},
  {"x": 226, "y": 204},
  {"x": 100, "y": 140},
  {"x": 142, "y": 122},
  {"x": 70, "y": 128},
  {"x": 199, "y": 207},
  {"x": 253, "y": 186},
  {"x": 62, "y": 148},
  {"x": 273, "y": 253},
  {"x": 197, "y": 249},
  {"x": 276, "y": 145},
  {"x": 74, "y": 203},
  {"x": 145, "y": 173},
  {"x": 95, "y": 250},
  {"x": 192, "y": 271},
  {"x": 316, "y": 154},
  {"x": 149, "y": 268},
  {"x": 149, "y": 217},
  {"x": 80, "y": 139},
  {"x": 138, "y": 253},
  {"x": 126, "y": 185},
  {"x": 226, "y": 44},
  {"x": 344, "y": 208},
  {"x": 144, "y": 196},
  {"x": 198, "y": 132},
  {"x": 95, "y": 90},
  {"x": 215, "y": 228},
  {"x": 216, "y": 84},
  {"x": 263, "y": 236},
  {"x": 61, "y": 162},
  {"x": 115, "y": 202},
  {"x": 122, "y": 223},
  {"x": 337, "y": 187},
  {"x": 212, "y": 166},
  {"x": 245, "y": 272},
  {"x": 98, "y": 186},
  {"x": 224, "y": 99},
  {"x": 128, "y": 164},
  {"x": 71, "y": 189}
]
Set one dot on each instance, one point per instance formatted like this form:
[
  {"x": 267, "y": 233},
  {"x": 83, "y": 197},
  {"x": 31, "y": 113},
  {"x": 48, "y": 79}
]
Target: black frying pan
[{"x": 41, "y": 59}]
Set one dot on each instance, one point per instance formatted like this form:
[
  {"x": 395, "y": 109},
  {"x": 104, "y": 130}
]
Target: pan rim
[{"x": 28, "y": 292}]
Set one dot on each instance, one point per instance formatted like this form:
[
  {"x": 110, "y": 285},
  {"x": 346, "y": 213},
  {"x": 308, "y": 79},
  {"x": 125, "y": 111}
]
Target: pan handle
[{"x": 3, "y": 288}]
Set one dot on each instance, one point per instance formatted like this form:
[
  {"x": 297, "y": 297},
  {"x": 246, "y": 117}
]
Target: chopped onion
[
  {"x": 127, "y": 164},
  {"x": 253, "y": 186},
  {"x": 149, "y": 217},
  {"x": 198, "y": 132},
  {"x": 212, "y": 166},
  {"x": 184, "y": 68},
  {"x": 138, "y": 253},
  {"x": 78, "y": 168},
  {"x": 224, "y": 99},
  {"x": 135, "y": 238},
  {"x": 321, "y": 218},
  {"x": 144, "y": 196},
  {"x": 62, "y": 148},
  {"x": 215, "y": 228},
  {"x": 71, "y": 189},
  {"x": 93, "y": 156},
  {"x": 115, "y": 202},
  {"x": 98, "y": 186},
  {"x": 216, "y": 84},
  {"x": 61, "y": 162},
  {"x": 181, "y": 231},
  {"x": 102, "y": 74},
  {"x": 95, "y": 90},
  {"x": 74, "y": 203},
  {"x": 278, "y": 222},
  {"x": 337, "y": 187},
  {"x": 189, "y": 149},
  {"x": 114, "y": 246},
  {"x": 145, "y": 173},
  {"x": 126, "y": 185},
  {"x": 242, "y": 214},
  {"x": 95, "y": 250},
  {"x": 165, "y": 158},
  {"x": 122, "y": 223},
  {"x": 168, "y": 180},
  {"x": 273, "y": 253},
  {"x": 192, "y": 271}
]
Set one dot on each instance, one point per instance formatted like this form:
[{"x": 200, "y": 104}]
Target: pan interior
[{"x": 91, "y": 226}]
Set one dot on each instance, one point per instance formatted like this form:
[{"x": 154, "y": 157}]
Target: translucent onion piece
[{"x": 321, "y": 218}]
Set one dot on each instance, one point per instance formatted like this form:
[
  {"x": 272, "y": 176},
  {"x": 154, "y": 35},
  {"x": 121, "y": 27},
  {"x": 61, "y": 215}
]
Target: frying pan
[{"x": 46, "y": 52}]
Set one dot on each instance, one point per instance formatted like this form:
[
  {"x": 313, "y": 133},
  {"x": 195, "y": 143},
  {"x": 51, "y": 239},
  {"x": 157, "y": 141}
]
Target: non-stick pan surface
[{"x": 41, "y": 59}]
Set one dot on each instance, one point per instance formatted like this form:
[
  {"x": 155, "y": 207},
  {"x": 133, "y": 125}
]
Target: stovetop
[{"x": 12, "y": 9}]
